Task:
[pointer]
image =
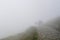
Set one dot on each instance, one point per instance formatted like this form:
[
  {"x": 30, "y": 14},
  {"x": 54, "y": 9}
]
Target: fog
[{"x": 17, "y": 15}]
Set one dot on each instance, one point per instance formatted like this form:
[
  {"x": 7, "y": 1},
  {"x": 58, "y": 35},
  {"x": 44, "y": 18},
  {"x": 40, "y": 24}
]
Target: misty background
[{"x": 17, "y": 15}]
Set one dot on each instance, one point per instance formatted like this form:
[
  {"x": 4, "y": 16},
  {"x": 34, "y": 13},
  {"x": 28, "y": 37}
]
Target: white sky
[{"x": 18, "y": 15}]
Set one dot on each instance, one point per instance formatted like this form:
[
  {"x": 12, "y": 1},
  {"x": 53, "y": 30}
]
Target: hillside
[
  {"x": 50, "y": 30},
  {"x": 47, "y": 31}
]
